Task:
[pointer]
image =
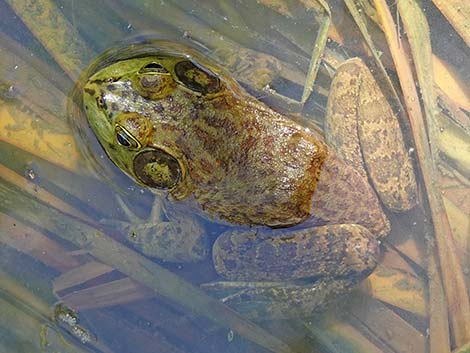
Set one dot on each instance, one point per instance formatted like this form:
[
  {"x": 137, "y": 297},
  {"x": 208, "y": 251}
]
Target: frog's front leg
[
  {"x": 282, "y": 273},
  {"x": 168, "y": 234}
]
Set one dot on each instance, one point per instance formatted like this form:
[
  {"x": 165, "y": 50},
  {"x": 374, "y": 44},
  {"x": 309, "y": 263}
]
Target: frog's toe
[
  {"x": 115, "y": 223},
  {"x": 174, "y": 241},
  {"x": 279, "y": 300},
  {"x": 171, "y": 241}
]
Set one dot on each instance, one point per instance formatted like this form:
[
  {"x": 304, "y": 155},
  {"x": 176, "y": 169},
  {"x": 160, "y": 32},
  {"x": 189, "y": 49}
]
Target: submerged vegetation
[{"x": 417, "y": 300}]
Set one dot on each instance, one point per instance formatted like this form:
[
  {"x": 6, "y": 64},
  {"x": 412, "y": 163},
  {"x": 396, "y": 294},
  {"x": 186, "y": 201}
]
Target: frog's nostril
[{"x": 149, "y": 81}]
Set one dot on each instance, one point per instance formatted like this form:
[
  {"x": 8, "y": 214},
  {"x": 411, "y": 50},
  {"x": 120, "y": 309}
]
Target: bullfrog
[{"x": 302, "y": 211}]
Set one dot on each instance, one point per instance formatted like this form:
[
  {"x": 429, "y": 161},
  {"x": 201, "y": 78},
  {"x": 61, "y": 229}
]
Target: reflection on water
[{"x": 76, "y": 230}]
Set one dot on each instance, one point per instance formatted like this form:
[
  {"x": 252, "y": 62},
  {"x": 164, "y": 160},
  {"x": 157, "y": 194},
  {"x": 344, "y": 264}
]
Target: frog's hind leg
[
  {"x": 274, "y": 263},
  {"x": 365, "y": 131},
  {"x": 342, "y": 250}
]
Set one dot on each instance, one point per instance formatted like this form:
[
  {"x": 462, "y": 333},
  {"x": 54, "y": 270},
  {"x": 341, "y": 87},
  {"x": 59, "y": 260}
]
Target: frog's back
[{"x": 262, "y": 168}]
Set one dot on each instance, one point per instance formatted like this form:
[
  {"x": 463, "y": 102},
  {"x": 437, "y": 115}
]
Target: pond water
[{"x": 81, "y": 267}]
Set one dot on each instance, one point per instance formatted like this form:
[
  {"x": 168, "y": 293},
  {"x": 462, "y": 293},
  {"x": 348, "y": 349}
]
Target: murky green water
[{"x": 59, "y": 190}]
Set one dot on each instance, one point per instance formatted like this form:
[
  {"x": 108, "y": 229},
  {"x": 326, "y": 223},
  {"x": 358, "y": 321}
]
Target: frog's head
[{"x": 134, "y": 108}]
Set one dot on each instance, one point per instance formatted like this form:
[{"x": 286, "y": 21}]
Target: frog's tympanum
[{"x": 304, "y": 208}]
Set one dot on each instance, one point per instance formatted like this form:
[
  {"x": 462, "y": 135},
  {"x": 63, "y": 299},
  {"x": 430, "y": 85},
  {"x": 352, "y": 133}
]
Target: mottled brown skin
[
  {"x": 362, "y": 127},
  {"x": 185, "y": 128}
]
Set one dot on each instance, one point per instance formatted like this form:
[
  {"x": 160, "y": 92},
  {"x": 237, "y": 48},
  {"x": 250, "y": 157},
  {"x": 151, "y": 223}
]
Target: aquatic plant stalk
[
  {"x": 339, "y": 336},
  {"x": 454, "y": 284},
  {"x": 317, "y": 52},
  {"x": 97, "y": 23},
  {"x": 31, "y": 319},
  {"x": 29, "y": 241},
  {"x": 357, "y": 14},
  {"x": 29, "y": 82},
  {"x": 386, "y": 325},
  {"x": 213, "y": 34},
  {"x": 295, "y": 23},
  {"x": 387, "y": 284},
  {"x": 418, "y": 35},
  {"x": 439, "y": 335},
  {"x": 55, "y": 33},
  {"x": 21, "y": 182},
  {"x": 457, "y": 13}
]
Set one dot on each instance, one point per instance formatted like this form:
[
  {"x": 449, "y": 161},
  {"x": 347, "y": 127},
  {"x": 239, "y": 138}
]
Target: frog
[{"x": 302, "y": 211}]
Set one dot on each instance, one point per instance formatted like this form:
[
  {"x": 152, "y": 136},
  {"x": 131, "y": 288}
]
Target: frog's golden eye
[
  {"x": 124, "y": 138},
  {"x": 153, "y": 81},
  {"x": 157, "y": 169},
  {"x": 197, "y": 78}
]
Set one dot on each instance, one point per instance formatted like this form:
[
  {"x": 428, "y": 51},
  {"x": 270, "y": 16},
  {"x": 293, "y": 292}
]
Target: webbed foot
[
  {"x": 167, "y": 235},
  {"x": 279, "y": 300}
]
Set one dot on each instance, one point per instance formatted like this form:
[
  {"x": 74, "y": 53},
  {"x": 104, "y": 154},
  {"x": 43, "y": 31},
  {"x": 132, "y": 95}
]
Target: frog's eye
[
  {"x": 197, "y": 78},
  {"x": 153, "y": 81},
  {"x": 157, "y": 169},
  {"x": 153, "y": 67},
  {"x": 124, "y": 138}
]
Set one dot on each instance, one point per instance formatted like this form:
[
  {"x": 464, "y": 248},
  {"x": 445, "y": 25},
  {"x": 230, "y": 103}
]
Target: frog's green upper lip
[{"x": 89, "y": 91}]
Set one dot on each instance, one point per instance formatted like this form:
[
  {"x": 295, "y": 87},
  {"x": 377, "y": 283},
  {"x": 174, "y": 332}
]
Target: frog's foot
[
  {"x": 279, "y": 300},
  {"x": 166, "y": 235}
]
